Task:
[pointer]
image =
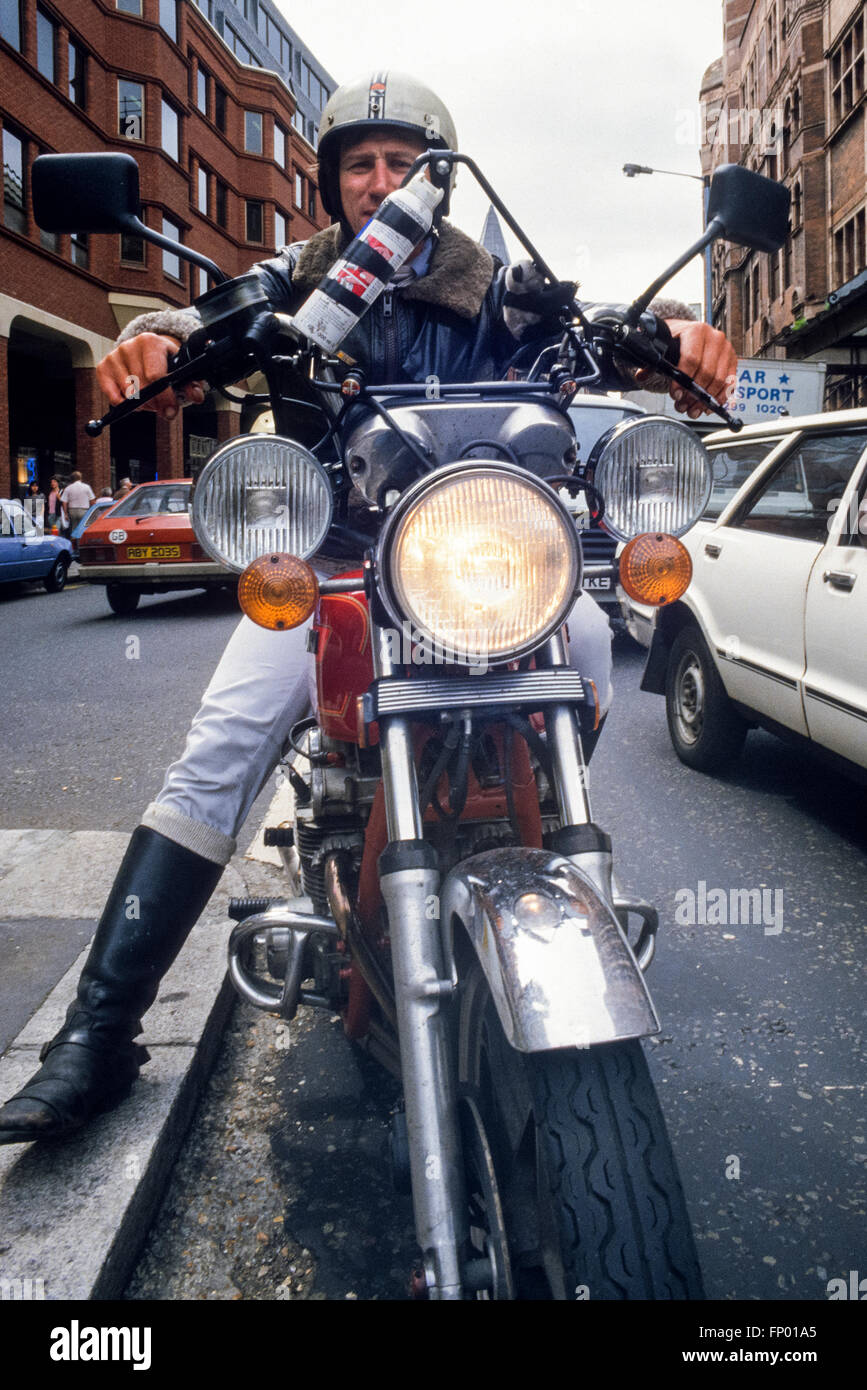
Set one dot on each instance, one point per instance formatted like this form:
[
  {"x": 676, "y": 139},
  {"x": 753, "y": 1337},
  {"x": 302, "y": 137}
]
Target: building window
[
  {"x": 202, "y": 190},
  {"x": 77, "y": 75},
  {"x": 221, "y": 202},
  {"x": 220, "y": 107},
  {"x": 169, "y": 18},
  {"x": 200, "y": 278},
  {"x": 254, "y": 221},
  {"x": 747, "y": 306},
  {"x": 202, "y": 91},
  {"x": 796, "y": 206},
  {"x": 279, "y": 229},
  {"x": 132, "y": 249},
  {"x": 253, "y": 132},
  {"x": 130, "y": 109},
  {"x": 311, "y": 200},
  {"x": 79, "y": 249},
  {"x": 170, "y": 130},
  {"x": 279, "y": 145},
  {"x": 46, "y": 46},
  {"x": 298, "y": 121},
  {"x": 847, "y": 72},
  {"x": 171, "y": 262},
  {"x": 787, "y": 260},
  {"x": 756, "y": 300},
  {"x": 299, "y": 191},
  {"x": 14, "y": 216},
  {"x": 849, "y": 250},
  {"x": 130, "y": 6},
  {"x": 10, "y": 22},
  {"x": 773, "y": 268}
]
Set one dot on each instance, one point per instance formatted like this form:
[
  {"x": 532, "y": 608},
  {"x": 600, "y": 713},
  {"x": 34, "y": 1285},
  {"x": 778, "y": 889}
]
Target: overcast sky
[{"x": 551, "y": 98}]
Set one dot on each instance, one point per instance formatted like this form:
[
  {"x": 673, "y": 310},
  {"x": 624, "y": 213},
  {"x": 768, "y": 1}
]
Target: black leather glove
[{"x": 532, "y": 308}]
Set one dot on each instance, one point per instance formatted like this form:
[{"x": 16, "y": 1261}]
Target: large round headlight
[
  {"x": 260, "y": 493},
  {"x": 654, "y": 475},
  {"x": 482, "y": 559}
]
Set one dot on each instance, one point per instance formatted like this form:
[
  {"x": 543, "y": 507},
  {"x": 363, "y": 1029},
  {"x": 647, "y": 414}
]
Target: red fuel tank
[{"x": 344, "y": 662}]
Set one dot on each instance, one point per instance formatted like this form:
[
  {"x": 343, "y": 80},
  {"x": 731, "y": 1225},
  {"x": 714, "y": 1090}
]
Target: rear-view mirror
[
  {"x": 753, "y": 210},
  {"x": 85, "y": 192}
]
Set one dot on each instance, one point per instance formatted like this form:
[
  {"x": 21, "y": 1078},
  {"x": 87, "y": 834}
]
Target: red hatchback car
[{"x": 146, "y": 545}]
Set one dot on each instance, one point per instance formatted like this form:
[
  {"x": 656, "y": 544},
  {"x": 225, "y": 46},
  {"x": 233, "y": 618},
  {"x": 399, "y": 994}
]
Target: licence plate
[
  {"x": 153, "y": 552},
  {"x": 597, "y": 583}
]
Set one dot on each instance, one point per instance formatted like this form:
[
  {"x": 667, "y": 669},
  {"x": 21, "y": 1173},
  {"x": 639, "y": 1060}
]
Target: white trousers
[{"x": 261, "y": 687}]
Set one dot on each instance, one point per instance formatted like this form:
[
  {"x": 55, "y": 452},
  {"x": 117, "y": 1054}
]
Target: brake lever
[{"x": 636, "y": 345}]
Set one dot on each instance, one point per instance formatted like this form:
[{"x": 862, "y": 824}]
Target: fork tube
[
  {"x": 564, "y": 741},
  {"x": 400, "y": 783}
]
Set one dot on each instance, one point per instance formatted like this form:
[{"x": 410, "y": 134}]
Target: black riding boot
[{"x": 158, "y": 895}]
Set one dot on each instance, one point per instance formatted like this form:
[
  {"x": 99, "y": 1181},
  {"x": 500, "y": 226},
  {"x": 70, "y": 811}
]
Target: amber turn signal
[
  {"x": 278, "y": 591},
  {"x": 655, "y": 568}
]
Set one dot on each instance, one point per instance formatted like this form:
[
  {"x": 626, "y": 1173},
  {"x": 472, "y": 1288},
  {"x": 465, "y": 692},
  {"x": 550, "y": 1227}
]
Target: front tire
[
  {"x": 122, "y": 598},
  {"x": 55, "y": 580},
  {"x": 588, "y": 1197},
  {"x": 707, "y": 732}
]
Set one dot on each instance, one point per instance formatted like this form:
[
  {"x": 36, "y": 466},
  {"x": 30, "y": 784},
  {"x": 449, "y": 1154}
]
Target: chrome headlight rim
[
  {"x": 430, "y": 481},
  {"x": 220, "y": 459},
  {"x": 603, "y": 450}
]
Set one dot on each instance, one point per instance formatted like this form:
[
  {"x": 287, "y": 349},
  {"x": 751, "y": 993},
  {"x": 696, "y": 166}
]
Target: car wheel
[
  {"x": 55, "y": 579},
  {"x": 122, "y": 598},
  {"x": 707, "y": 732}
]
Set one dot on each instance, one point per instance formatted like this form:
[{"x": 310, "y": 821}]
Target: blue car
[{"x": 25, "y": 553}]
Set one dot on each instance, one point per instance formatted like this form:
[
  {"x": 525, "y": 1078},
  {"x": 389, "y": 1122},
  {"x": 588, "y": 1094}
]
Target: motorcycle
[{"x": 459, "y": 908}]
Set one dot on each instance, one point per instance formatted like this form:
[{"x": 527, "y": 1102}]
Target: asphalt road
[{"x": 760, "y": 1062}]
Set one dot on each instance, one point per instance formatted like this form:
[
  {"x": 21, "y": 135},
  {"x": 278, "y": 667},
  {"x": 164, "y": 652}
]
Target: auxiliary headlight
[
  {"x": 654, "y": 474},
  {"x": 482, "y": 559},
  {"x": 261, "y": 493}
]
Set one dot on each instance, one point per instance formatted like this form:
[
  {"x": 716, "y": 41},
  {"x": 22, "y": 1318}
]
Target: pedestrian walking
[
  {"x": 54, "y": 519},
  {"x": 123, "y": 487},
  {"x": 76, "y": 499}
]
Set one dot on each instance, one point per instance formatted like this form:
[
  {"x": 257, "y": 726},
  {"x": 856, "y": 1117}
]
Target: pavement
[{"x": 74, "y": 1213}]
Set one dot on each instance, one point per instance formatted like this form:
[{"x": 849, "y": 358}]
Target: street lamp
[{"x": 630, "y": 170}]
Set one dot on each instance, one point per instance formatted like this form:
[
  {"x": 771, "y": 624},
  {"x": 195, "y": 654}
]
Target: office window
[
  {"x": 79, "y": 249},
  {"x": 130, "y": 6},
  {"x": 13, "y": 183},
  {"x": 299, "y": 191},
  {"x": 253, "y": 132},
  {"x": 130, "y": 109},
  {"x": 169, "y": 18},
  {"x": 77, "y": 75},
  {"x": 298, "y": 120},
  {"x": 200, "y": 279},
  {"x": 847, "y": 72},
  {"x": 279, "y": 145},
  {"x": 311, "y": 200},
  {"x": 221, "y": 201},
  {"x": 220, "y": 107},
  {"x": 202, "y": 190},
  {"x": 10, "y": 22},
  {"x": 279, "y": 229},
  {"x": 46, "y": 46},
  {"x": 849, "y": 250},
  {"x": 254, "y": 221},
  {"x": 202, "y": 91},
  {"x": 132, "y": 249},
  {"x": 171, "y": 262},
  {"x": 170, "y": 130}
]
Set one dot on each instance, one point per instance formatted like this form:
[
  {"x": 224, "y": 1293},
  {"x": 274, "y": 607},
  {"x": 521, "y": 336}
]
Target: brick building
[
  {"x": 225, "y": 148},
  {"x": 787, "y": 99}
]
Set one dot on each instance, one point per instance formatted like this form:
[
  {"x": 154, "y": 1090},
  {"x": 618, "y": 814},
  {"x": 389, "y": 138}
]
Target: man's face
[{"x": 372, "y": 168}]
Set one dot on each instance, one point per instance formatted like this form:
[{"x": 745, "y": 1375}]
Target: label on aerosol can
[{"x": 370, "y": 260}]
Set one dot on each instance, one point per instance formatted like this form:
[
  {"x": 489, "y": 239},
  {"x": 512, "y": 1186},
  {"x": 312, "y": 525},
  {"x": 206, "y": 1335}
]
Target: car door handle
[
  {"x": 839, "y": 579},
  {"x": 712, "y": 550}
]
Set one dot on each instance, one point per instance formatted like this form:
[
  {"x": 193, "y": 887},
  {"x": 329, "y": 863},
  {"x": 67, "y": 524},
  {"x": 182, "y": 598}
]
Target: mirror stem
[
  {"x": 133, "y": 226},
  {"x": 710, "y": 233}
]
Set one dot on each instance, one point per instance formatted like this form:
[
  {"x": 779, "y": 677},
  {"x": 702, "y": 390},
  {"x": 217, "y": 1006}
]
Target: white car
[{"x": 772, "y": 631}]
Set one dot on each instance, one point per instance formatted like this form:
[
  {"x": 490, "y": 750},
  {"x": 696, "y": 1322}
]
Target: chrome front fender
[{"x": 560, "y": 969}]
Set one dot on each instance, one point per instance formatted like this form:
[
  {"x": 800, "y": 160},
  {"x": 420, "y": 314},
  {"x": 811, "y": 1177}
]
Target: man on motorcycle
[{"x": 451, "y": 312}]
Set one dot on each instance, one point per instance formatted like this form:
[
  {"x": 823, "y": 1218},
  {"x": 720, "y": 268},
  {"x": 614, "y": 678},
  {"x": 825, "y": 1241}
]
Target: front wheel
[
  {"x": 707, "y": 732},
  {"x": 122, "y": 598},
  {"x": 573, "y": 1188}
]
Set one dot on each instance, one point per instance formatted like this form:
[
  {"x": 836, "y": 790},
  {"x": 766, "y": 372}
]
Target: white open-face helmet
[{"x": 392, "y": 100}]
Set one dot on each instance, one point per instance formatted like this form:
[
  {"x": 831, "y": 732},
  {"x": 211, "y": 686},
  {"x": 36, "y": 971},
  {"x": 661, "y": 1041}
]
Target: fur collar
[{"x": 460, "y": 273}]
